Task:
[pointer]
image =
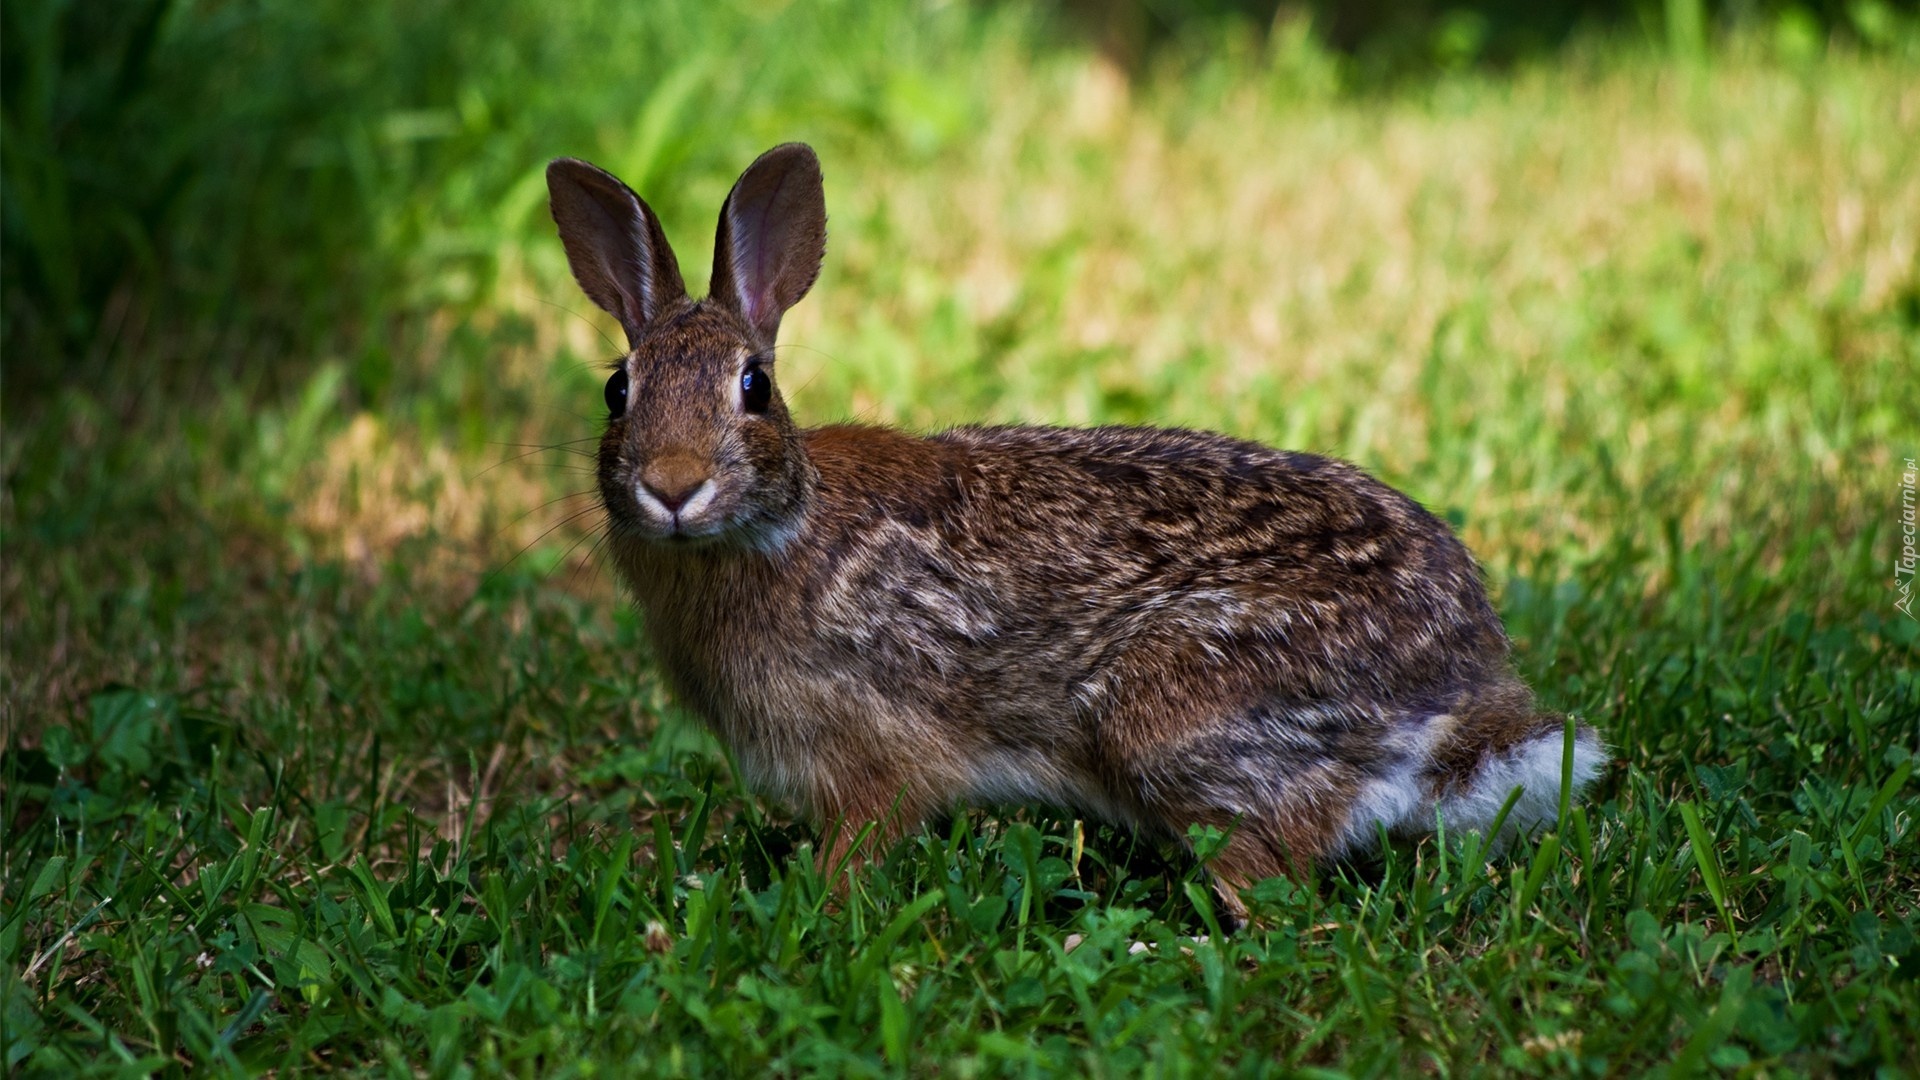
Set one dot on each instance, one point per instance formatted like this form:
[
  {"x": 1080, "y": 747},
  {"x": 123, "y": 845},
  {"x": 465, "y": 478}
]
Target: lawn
[{"x": 331, "y": 745}]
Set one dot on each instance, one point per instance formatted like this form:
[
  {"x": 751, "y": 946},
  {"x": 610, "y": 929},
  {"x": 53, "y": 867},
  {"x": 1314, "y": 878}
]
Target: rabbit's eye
[
  {"x": 756, "y": 389},
  {"x": 617, "y": 394}
]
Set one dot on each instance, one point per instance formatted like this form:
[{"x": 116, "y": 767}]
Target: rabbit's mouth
[
  {"x": 712, "y": 531},
  {"x": 672, "y": 533},
  {"x": 720, "y": 507},
  {"x": 687, "y": 510},
  {"x": 694, "y": 520}
]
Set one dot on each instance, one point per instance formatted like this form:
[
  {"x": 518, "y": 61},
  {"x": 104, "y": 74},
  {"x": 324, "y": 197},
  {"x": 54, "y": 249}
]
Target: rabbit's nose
[{"x": 674, "y": 481}]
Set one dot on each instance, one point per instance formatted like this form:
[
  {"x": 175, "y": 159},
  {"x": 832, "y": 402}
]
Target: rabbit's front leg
[{"x": 861, "y": 816}]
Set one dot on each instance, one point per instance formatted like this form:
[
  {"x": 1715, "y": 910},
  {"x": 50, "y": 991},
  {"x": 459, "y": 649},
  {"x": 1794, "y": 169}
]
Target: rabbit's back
[{"x": 1060, "y": 559}]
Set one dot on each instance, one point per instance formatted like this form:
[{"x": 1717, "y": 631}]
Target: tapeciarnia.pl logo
[{"x": 1903, "y": 564}]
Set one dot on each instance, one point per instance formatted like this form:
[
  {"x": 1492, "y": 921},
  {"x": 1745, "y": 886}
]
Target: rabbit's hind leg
[
  {"x": 1250, "y": 856},
  {"x": 1278, "y": 824}
]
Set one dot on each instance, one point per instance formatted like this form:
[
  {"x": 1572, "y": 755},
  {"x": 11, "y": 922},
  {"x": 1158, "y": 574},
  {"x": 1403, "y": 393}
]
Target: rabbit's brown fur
[{"x": 1159, "y": 627}]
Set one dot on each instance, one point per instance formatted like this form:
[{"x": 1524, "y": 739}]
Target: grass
[{"x": 330, "y": 745}]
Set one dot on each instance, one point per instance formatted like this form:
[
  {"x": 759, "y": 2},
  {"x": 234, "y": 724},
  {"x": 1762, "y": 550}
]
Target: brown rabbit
[{"x": 1157, "y": 627}]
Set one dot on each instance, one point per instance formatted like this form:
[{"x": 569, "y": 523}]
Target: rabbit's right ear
[
  {"x": 614, "y": 243},
  {"x": 772, "y": 236}
]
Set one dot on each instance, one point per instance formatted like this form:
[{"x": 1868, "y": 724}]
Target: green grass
[{"x": 330, "y": 745}]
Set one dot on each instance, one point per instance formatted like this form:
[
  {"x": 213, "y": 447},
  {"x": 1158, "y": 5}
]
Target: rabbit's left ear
[
  {"x": 772, "y": 237},
  {"x": 614, "y": 244}
]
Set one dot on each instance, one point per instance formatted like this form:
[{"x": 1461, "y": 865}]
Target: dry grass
[{"x": 1575, "y": 260}]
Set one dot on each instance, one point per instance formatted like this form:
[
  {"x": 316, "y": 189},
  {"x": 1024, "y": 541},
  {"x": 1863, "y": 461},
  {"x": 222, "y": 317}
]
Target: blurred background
[
  {"x": 313, "y": 178},
  {"x": 281, "y": 293}
]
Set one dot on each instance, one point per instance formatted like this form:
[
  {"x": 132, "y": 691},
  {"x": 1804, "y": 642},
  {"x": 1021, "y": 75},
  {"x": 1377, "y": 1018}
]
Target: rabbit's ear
[
  {"x": 614, "y": 244},
  {"x": 773, "y": 234}
]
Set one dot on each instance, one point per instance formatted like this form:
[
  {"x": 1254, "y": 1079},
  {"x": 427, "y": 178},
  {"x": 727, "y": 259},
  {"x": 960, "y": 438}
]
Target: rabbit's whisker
[{"x": 585, "y": 319}]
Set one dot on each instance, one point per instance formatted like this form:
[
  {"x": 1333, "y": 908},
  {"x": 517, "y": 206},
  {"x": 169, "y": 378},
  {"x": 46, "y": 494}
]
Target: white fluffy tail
[
  {"x": 1460, "y": 769},
  {"x": 1535, "y": 766}
]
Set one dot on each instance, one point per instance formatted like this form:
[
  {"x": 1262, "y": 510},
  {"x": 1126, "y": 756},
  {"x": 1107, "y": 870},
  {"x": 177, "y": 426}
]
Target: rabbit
[{"x": 1155, "y": 627}]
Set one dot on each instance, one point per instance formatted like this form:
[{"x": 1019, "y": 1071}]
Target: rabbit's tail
[
  {"x": 1499, "y": 741},
  {"x": 1494, "y": 741}
]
